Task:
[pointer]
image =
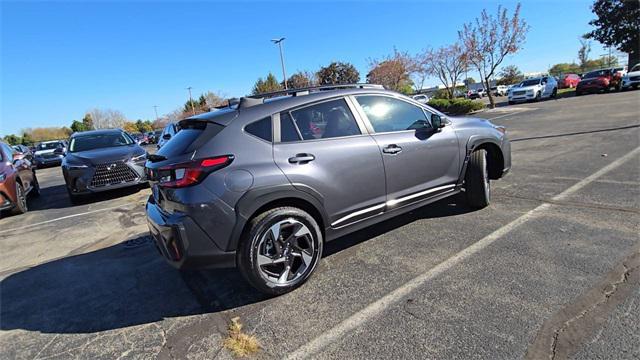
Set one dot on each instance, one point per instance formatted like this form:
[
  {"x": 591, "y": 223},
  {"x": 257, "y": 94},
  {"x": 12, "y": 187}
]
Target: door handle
[
  {"x": 392, "y": 149},
  {"x": 301, "y": 158}
]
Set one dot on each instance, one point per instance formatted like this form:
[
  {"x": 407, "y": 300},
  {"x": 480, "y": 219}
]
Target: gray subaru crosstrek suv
[{"x": 262, "y": 184}]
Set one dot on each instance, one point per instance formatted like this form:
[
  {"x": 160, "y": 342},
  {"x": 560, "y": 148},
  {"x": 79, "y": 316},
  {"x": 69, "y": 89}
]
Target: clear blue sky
[{"x": 60, "y": 59}]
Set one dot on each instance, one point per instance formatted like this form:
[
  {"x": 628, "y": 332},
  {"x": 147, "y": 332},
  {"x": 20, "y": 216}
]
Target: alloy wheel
[
  {"x": 285, "y": 252},
  {"x": 20, "y": 197}
]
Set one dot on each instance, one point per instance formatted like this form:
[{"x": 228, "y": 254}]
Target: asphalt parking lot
[{"x": 550, "y": 270}]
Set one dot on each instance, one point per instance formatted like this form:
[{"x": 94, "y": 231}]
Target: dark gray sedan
[{"x": 102, "y": 160}]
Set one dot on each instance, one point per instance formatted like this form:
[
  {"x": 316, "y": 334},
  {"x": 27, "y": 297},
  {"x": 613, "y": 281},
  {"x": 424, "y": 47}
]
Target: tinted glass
[
  {"x": 530, "y": 82},
  {"x": 325, "y": 120},
  {"x": 260, "y": 128},
  {"x": 595, "y": 74},
  {"x": 48, "y": 146},
  {"x": 388, "y": 114},
  {"x": 288, "y": 131},
  {"x": 192, "y": 135},
  {"x": 97, "y": 141},
  {"x": 7, "y": 152}
]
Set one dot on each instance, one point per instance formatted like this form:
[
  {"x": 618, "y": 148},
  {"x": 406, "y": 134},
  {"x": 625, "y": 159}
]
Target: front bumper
[
  {"x": 40, "y": 161},
  {"x": 78, "y": 180},
  {"x": 182, "y": 243},
  {"x": 629, "y": 82},
  {"x": 594, "y": 87},
  {"x": 522, "y": 97}
]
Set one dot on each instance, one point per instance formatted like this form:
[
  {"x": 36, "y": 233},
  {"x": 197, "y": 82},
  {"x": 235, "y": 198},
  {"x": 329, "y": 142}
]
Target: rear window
[{"x": 190, "y": 136}]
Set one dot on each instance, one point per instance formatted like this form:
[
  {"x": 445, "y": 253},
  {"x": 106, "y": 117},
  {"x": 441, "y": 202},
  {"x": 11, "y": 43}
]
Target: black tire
[
  {"x": 35, "y": 192},
  {"x": 538, "y": 96},
  {"x": 511, "y": 102},
  {"x": 477, "y": 183},
  {"x": 250, "y": 248},
  {"x": 554, "y": 93},
  {"x": 21, "y": 201}
]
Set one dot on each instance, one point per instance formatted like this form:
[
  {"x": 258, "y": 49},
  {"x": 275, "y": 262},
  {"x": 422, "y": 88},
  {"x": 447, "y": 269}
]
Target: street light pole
[
  {"x": 284, "y": 73},
  {"x": 193, "y": 109},
  {"x": 155, "y": 108}
]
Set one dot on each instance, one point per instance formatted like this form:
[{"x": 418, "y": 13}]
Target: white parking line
[
  {"x": 374, "y": 309},
  {"x": 63, "y": 218},
  {"x": 505, "y": 115}
]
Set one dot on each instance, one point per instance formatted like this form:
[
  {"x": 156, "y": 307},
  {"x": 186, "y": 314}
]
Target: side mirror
[
  {"x": 166, "y": 136},
  {"x": 436, "y": 121}
]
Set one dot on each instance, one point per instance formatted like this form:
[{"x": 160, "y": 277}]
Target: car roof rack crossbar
[{"x": 307, "y": 90}]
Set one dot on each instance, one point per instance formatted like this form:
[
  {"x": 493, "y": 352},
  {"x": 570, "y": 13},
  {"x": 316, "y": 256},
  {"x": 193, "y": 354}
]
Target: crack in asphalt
[
  {"x": 571, "y": 327},
  {"x": 606, "y": 295}
]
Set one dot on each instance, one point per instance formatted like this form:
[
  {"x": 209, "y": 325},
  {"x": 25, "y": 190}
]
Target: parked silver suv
[{"x": 263, "y": 184}]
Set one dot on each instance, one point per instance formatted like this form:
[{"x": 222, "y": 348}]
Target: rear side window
[
  {"x": 261, "y": 129},
  {"x": 328, "y": 119},
  {"x": 192, "y": 135}
]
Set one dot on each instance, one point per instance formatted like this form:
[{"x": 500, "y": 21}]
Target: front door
[
  {"x": 419, "y": 162},
  {"x": 321, "y": 148}
]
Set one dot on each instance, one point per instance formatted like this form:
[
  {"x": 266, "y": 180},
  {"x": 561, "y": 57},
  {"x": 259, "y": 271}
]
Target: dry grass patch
[{"x": 239, "y": 343}]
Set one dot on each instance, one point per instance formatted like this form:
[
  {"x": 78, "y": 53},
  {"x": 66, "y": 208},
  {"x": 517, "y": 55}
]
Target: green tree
[
  {"x": 301, "y": 79},
  {"x": 510, "y": 75},
  {"x": 12, "y": 139},
  {"x": 144, "y": 126},
  {"x": 77, "y": 126},
  {"x": 338, "y": 73},
  {"x": 270, "y": 84},
  {"x": 565, "y": 68},
  {"x": 617, "y": 26},
  {"x": 87, "y": 121},
  {"x": 27, "y": 140}
]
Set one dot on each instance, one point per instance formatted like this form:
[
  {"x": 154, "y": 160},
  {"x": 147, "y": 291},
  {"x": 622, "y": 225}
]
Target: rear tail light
[{"x": 192, "y": 172}]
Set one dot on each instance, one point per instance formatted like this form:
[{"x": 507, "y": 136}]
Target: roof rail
[{"x": 307, "y": 90}]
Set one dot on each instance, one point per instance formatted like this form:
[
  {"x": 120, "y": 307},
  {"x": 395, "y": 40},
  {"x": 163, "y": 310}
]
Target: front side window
[
  {"x": 388, "y": 114},
  {"x": 328, "y": 119}
]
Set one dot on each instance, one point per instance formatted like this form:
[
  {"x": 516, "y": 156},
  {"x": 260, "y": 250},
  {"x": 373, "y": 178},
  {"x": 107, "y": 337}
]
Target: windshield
[
  {"x": 595, "y": 74},
  {"x": 530, "y": 82},
  {"x": 49, "y": 146},
  {"x": 97, "y": 141}
]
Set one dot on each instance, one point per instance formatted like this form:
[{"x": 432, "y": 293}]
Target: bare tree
[
  {"x": 107, "y": 118},
  {"x": 583, "y": 53},
  {"x": 490, "y": 39},
  {"x": 448, "y": 63}
]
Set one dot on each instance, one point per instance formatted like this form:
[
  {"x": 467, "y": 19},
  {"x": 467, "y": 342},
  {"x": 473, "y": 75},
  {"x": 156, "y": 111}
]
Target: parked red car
[
  {"x": 568, "y": 81},
  {"x": 17, "y": 180},
  {"x": 598, "y": 80}
]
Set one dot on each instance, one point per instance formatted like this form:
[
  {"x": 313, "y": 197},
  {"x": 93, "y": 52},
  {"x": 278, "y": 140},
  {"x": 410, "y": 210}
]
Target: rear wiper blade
[{"x": 155, "y": 157}]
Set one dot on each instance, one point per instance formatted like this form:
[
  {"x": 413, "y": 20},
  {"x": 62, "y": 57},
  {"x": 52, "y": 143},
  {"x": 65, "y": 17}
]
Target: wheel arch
[
  {"x": 495, "y": 158},
  {"x": 256, "y": 201}
]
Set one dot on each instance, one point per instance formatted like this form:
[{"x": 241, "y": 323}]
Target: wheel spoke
[
  {"x": 275, "y": 231},
  {"x": 284, "y": 277},
  {"x": 265, "y": 260}
]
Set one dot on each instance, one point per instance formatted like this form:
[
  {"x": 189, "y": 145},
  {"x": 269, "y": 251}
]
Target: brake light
[{"x": 192, "y": 172}]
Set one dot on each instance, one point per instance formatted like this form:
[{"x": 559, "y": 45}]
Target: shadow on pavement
[
  {"x": 55, "y": 197},
  {"x": 130, "y": 284}
]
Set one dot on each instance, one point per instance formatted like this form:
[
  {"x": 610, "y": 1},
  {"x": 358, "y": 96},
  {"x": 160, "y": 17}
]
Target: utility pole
[
  {"x": 193, "y": 109},
  {"x": 284, "y": 73},
  {"x": 155, "y": 108}
]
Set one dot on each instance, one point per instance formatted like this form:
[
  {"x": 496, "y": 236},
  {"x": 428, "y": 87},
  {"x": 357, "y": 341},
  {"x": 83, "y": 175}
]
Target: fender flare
[
  {"x": 472, "y": 144},
  {"x": 256, "y": 198}
]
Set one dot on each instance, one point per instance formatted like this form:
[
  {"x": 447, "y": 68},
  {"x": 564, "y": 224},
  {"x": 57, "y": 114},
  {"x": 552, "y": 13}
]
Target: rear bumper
[
  {"x": 630, "y": 83},
  {"x": 47, "y": 161},
  {"x": 182, "y": 243}
]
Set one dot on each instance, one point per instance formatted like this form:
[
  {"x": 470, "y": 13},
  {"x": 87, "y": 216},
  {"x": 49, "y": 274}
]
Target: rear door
[
  {"x": 418, "y": 164},
  {"x": 322, "y": 149}
]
